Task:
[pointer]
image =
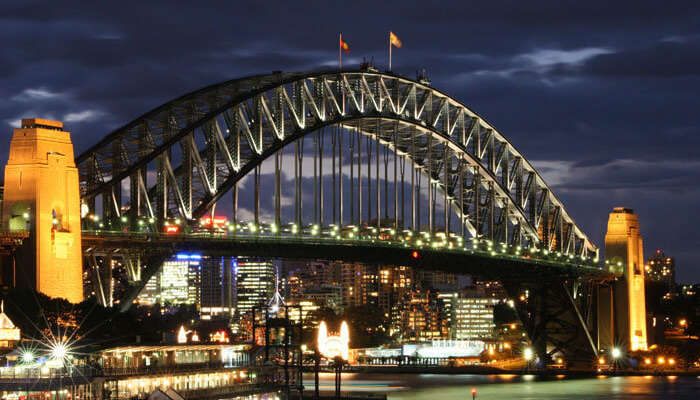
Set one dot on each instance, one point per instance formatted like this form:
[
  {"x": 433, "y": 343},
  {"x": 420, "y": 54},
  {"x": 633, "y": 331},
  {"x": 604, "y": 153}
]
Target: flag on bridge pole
[
  {"x": 393, "y": 41},
  {"x": 344, "y": 47}
]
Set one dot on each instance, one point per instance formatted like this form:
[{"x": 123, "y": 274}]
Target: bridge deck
[{"x": 486, "y": 264}]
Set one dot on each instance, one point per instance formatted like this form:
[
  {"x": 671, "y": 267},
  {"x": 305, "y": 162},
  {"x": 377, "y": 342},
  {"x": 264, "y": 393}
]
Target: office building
[
  {"x": 217, "y": 287},
  {"x": 469, "y": 314},
  {"x": 177, "y": 282},
  {"x": 255, "y": 283},
  {"x": 417, "y": 317}
]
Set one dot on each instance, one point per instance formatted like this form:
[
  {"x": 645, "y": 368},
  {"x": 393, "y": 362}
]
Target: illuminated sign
[
  {"x": 172, "y": 228},
  {"x": 184, "y": 256},
  {"x": 334, "y": 346}
]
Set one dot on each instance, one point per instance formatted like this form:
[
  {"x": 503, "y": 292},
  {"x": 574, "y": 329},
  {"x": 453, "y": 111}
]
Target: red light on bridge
[
  {"x": 414, "y": 254},
  {"x": 172, "y": 229},
  {"x": 216, "y": 222}
]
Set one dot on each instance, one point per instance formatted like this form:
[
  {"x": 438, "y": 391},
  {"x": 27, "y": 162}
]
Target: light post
[
  {"x": 528, "y": 355},
  {"x": 615, "y": 353},
  {"x": 317, "y": 366}
]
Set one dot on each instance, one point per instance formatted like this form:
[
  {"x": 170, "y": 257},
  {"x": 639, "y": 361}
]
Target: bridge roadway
[{"x": 488, "y": 261}]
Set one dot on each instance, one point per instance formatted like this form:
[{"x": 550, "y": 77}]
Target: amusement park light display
[{"x": 334, "y": 346}]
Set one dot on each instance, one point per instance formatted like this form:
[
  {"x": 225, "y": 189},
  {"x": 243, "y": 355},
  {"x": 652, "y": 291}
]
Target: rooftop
[
  {"x": 29, "y": 123},
  {"x": 623, "y": 210}
]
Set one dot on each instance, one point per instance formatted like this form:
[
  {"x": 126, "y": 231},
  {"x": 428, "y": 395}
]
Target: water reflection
[{"x": 511, "y": 387}]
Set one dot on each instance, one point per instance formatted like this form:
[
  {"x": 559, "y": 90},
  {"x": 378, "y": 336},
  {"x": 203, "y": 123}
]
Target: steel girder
[
  {"x": 223, "y": 131},
  {"x": 558, "y": 316}
]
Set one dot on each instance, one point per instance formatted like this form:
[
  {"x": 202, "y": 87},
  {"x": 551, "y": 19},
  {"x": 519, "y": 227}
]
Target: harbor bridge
[{"x": 357, "y": 165}]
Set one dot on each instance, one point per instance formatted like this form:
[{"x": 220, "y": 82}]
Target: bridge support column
[
  {"x": 606, "y": 317},
  {"x": 42, "y": 195},
  {"x": 624, "y": 253},
  {"x": 557, "y": 315}
]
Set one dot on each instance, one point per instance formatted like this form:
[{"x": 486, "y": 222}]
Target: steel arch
[{"x": 493, "y": 188}]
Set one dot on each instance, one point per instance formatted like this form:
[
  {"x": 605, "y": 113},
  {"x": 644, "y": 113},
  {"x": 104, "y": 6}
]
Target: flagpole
[
  {"x": 389, "y": 50},
  {"x": 340, "y": 54}
]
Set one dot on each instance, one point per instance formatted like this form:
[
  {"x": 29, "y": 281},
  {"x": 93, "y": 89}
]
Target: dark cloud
[{"x": 602, "y": 94}]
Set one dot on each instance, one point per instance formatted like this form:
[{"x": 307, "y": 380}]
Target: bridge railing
[{"x": 354, "y": 235}]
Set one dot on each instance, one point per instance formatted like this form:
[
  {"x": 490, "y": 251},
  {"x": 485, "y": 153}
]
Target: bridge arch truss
[{"x": 222, "y": 132}]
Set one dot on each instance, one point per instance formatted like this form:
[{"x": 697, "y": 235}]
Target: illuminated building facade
[
  {"x": 217, "y": 287},
  {"x": 473, "y": 318},
  {"x": 356, "y": 282},
  {"x": 334, "y": 346},
  {"x": 470, "y": 317},
  {"x": 417, "y": 317},
  {"x": 317, "y": 281},
  {"x": 255, "y": 283},
  {"x": 303, "y": 312},
  {"x": 10, "y": 335},
  {"x": 177, "y": 282},
  {"x": 394, "y": 283},
  {"x": 661, "y": 268},
  {"x": 42, "y": 196},
  {"x": 622, "y": 313}
]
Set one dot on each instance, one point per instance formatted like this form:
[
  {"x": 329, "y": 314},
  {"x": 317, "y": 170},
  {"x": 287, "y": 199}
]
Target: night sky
[{"x": 601, "y": 98}]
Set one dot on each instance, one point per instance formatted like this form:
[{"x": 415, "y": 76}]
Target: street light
[
  {"x": 616, "y": 353},
  {"x": 528, "y": 354},
  {"x": 27, "y": 356},
  {"x": 59, "y": 351}
]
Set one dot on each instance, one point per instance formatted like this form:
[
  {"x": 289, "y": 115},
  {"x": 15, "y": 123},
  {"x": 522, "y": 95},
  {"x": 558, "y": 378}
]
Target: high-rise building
[
  {"x": 216, "y": 293},
  {"x": 178, "y": 282},
  {"x": 255, "y": 283},
  {"x": 394, "y": 283},
  {"x": 473, "y": 318},
  {"x": 470, "y": 314},
  {"x": 202, "y": 281},
  {"x": 302, "y": 276},
  {"x": 353, "y": 284},
  {"x": 661, "y": 268},
  {"x": 417, "y": 317}
]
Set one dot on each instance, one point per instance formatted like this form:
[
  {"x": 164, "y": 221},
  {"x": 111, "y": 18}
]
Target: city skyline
[
  {"x": 552, "y": 96},
  {"x": 431, "y": 199}
]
